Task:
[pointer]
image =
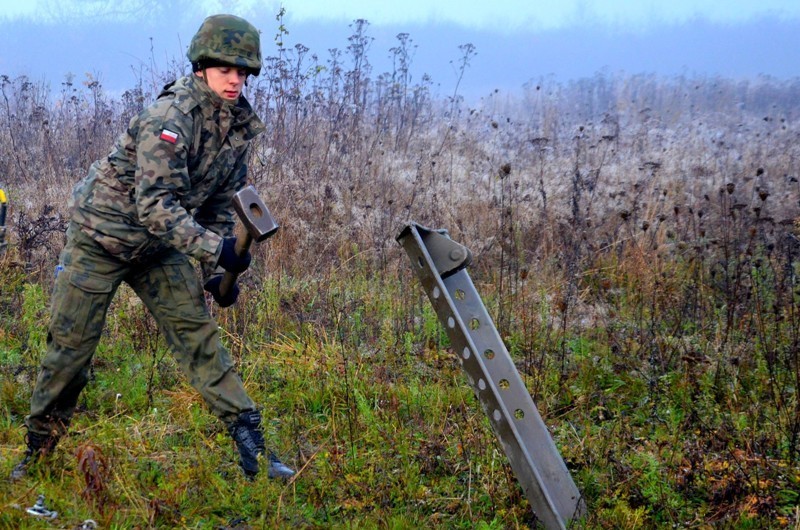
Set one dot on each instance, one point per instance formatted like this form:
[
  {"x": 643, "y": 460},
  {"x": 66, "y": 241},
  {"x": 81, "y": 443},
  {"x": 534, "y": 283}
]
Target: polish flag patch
[{"x": 169, "y": 136}]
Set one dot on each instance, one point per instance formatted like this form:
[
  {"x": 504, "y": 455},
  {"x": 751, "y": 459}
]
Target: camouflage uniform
[{"x": 162, "y": 194}]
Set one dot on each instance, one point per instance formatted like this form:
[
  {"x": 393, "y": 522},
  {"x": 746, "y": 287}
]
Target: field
[{"x": 635, "y": 240}]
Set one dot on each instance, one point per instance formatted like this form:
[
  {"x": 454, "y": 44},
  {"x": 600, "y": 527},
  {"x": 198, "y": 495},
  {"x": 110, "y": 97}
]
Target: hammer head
[{"x": 254, "y": 214}]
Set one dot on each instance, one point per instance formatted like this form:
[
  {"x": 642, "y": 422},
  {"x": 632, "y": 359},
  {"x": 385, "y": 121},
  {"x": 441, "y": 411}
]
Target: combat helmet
[{"x": 226, "y": 40}]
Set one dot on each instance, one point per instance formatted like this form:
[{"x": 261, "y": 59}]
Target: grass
[
  {"x": 371, "y": 408},
  {"x": 398, "y": 433}
]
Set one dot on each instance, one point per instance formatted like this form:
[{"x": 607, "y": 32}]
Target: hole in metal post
[
  {"x": 466, "y": 353},
  {"x": 519, "y": 414},
  {"x": 496, "y": 415},
  {"x": 451, "y": 322},
  {"x": 474, "y": 324},
  {"x": 489, "y": 354},
  {"x": 436, "y": 292},
  {"x": 459, "y": 294},
  {"x": 504, "y": 384},
  {"x": 481, "y": 384},
  {"x": 421, "y": 262}
]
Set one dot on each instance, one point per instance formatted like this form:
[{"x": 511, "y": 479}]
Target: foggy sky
[{"x": 515, "y": 44}]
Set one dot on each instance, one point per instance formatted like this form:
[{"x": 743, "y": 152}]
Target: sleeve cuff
[{"x": 212, "y": 247}]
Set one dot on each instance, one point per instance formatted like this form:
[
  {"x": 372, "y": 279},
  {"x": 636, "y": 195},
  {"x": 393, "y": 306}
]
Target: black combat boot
[
  {"x": 250, "y": 443},
  {"x": 38, "y": 445}
]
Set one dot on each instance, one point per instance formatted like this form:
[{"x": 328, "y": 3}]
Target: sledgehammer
[{"x": 256, "y": 224}]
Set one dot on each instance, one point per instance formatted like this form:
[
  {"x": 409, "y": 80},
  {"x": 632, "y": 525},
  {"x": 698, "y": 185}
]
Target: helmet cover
[{"x": 226, "y": 40}]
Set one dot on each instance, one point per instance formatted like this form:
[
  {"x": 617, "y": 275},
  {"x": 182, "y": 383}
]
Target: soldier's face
[{"x": 226, "y": 81}]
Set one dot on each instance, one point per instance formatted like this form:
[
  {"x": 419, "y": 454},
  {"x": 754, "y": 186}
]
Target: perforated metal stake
[{"x": 440, "y": 264}]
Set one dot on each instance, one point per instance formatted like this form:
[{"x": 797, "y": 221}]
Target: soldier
[{"x": 162, "y": 195}]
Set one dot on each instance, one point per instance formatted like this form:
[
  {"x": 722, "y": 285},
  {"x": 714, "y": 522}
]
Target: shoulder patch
[{"x": 169, "y": 136}]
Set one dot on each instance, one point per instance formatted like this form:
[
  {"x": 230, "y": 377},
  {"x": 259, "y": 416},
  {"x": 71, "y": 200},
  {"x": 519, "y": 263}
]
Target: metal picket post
[{"x": 440, "y": 264}]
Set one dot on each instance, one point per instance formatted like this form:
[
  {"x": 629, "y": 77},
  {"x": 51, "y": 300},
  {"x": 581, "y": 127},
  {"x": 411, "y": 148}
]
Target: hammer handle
[{"x": 243, "y": 241}]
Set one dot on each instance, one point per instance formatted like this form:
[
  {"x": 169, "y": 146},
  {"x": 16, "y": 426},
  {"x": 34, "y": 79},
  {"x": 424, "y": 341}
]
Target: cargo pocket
[
  {"x": 79, "y": 308},
  {"x": 174, "y": 284}
]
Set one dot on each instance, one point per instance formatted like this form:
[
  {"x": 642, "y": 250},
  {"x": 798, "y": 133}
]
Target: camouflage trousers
[{"x": 170, "y": 289}]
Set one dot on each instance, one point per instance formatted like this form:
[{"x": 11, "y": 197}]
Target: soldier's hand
[
  {"x": 212, "y": 286},
  {"x": 229, "y": 260}
]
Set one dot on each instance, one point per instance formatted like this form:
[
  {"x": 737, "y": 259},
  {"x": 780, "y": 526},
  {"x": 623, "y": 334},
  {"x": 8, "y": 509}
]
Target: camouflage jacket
[{"x": 170, "y": 177}]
